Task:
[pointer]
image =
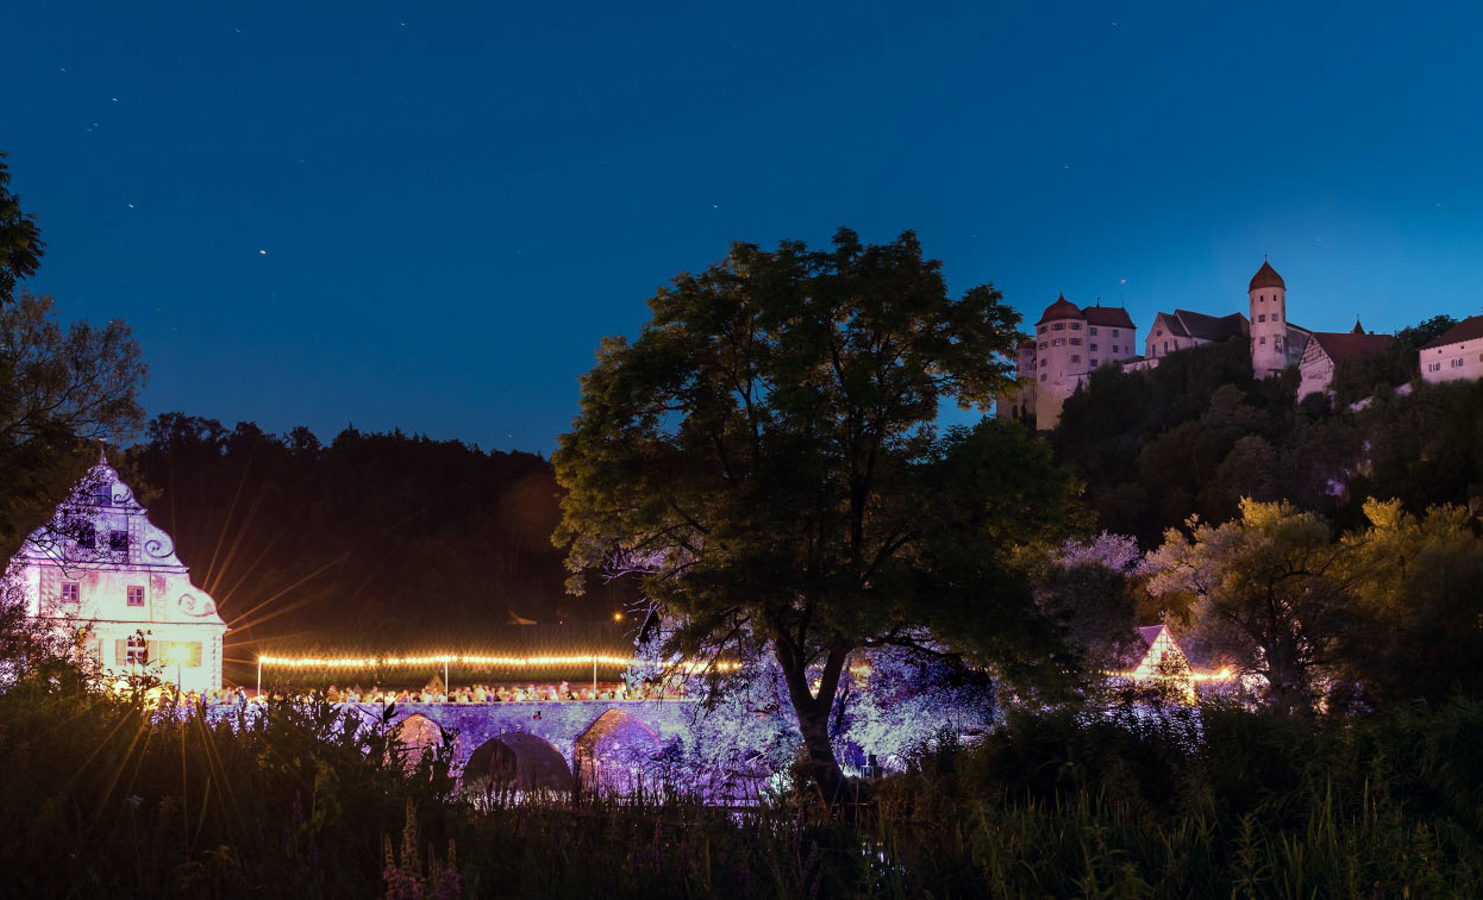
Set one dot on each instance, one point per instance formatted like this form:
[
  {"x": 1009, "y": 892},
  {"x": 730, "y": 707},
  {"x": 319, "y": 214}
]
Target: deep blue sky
[{"x": 457, "y": 202}]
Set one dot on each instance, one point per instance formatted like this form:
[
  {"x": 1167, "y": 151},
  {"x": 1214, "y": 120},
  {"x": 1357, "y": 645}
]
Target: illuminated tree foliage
[
  {"x": 773, "y": 436},
  {"x": 1272, "y": 589}
]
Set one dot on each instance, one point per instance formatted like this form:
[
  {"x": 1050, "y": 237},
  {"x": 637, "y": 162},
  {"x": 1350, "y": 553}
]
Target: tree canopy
[
  {"x": 771, "y": 443},
  {"x": 21, "y": 246}
]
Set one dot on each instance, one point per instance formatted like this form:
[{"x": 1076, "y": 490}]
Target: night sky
[{"x": 426, "y": 216}]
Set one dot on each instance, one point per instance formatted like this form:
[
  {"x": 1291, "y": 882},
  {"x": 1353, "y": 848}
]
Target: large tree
[
  {"x": 1271, "y": 591},
  {"x": 772, "y": 444},
  {"x": 21, "y": 246},
  {"x": 58, "y": 388}
]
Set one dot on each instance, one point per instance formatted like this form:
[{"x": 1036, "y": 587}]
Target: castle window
[
  {"x": 1076, "y": 342},
  {"x": 1114, "y": 348},
  {"x": 1042, "y": 377},
  {"x": 1043, "y": 362},
  {"x": 1159, "y": 333},
  {"x": 1457, "y": 363},
  {"x": 1044, "y": 344},
  {"x": 1094, "y": 363},
  {"x": 1092, "y": 329},
  {"x": 136, "y": 595},
  {"x": 102, "y": 494},
  {"x": 1114, "y": 332},
  {"x": 1263, "y": 340},
  {"x": 71, "y": 592},
  {"x": 1076, "y": 359},
  {"x": 1435, "y": 367},
  {"x": 1262, "y": 317},
  {"x": 87, "y": 536},
  {"x": 1276, "y": 318},
  {"x": 1093, "y": 348},
  {"x": 118, "y": 541},
  {"x": 1042, "y": 329},
  {"x": 1059, "y": 326},
  {"x": 1075, "y": 326},
  {"x": 1166, "y": 344}
]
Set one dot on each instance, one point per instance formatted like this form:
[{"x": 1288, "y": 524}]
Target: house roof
[
  {"x": 1061, "y": 309},
  {"x": 1150, "y": 633},
  {"x": 1266, "y": 277},
  {"x": 1212, "y": 328},
  {"x": 1469, "y": 329},
  {"x": 1111, "y": 316},
  {"x": 1340, "y": 346}
]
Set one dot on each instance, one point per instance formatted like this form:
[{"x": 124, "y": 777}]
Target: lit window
[
  {"x": 136, "y": 595},
  {"x": 71, "y": 592},
  {"x": 118, "y": 540},
  {"x": 1058, "y": 342}
]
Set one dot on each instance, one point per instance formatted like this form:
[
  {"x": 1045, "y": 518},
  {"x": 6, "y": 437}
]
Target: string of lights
[{"x": 513, "y": 662}]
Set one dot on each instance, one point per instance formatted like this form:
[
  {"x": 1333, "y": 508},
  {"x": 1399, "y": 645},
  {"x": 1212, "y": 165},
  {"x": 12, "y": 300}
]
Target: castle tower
[
  {"x": 1268, "y": 297},
  {"x": 1061, "y": 359}
]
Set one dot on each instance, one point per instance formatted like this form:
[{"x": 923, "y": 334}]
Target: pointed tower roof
[
  {"x": 1358, "y": 328},
  {"x": 1061, "y": 309},
  {"x": 1266, "y": 277}
]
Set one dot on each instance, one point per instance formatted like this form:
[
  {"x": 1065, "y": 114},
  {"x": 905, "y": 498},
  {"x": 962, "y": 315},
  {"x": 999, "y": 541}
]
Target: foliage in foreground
[{"x": 100, "y": 801}]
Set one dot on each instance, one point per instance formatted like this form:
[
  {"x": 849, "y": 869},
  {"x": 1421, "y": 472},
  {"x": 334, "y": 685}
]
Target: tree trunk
[{"x": 813, "y": 724}]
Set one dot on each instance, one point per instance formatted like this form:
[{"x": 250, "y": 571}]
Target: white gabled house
[{"x": 100, "y": 565}]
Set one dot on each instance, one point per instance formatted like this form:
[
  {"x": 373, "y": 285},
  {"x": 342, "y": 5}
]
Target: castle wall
[{"x": 1462, "y": 361}]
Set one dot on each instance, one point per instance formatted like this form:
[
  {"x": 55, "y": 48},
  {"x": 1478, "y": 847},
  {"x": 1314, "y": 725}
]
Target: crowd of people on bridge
[{"x": 669, "y": 689}]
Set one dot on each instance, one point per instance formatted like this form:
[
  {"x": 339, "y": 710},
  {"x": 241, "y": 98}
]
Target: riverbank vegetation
[{"x": 102, "y": 799}]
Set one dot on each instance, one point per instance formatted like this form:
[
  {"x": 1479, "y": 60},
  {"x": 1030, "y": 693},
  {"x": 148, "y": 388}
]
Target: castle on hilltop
[{"x": 1070, "y": 343}]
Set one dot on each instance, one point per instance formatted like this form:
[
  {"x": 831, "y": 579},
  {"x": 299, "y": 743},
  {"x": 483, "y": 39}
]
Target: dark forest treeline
[
  {"x": 370, "y": 540},
  {"x": 1197, "y": 434}
]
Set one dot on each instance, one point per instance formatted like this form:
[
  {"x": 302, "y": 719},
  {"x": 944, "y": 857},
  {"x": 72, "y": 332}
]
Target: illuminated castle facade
[
  {"x": 103, "y": 569},
  {"x": 1070, "y": 343}
]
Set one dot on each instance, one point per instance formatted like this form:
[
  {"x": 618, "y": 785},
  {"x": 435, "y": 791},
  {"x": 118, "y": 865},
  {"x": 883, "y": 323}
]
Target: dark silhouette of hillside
[{"x": 377, "y": 542}]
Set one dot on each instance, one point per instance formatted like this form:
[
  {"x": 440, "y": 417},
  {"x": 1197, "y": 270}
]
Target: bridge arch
[
  {"x": 526, "y": 762},
  {"x": 418, "y": 734},
  {"x": 616, "y": 754}
]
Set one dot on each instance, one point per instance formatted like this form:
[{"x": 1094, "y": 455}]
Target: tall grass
[{"x": 97, "y": 798}]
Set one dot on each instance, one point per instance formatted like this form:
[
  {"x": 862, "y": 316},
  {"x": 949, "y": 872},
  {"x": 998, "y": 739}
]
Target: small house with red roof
[
  {"x": 1325, "y": 350},
  {"x": 1455, "y": 355}
]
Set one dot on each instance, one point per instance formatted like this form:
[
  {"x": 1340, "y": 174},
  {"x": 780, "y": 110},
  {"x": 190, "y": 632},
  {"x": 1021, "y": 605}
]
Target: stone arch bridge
[{"x": 582, "y": 732}]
